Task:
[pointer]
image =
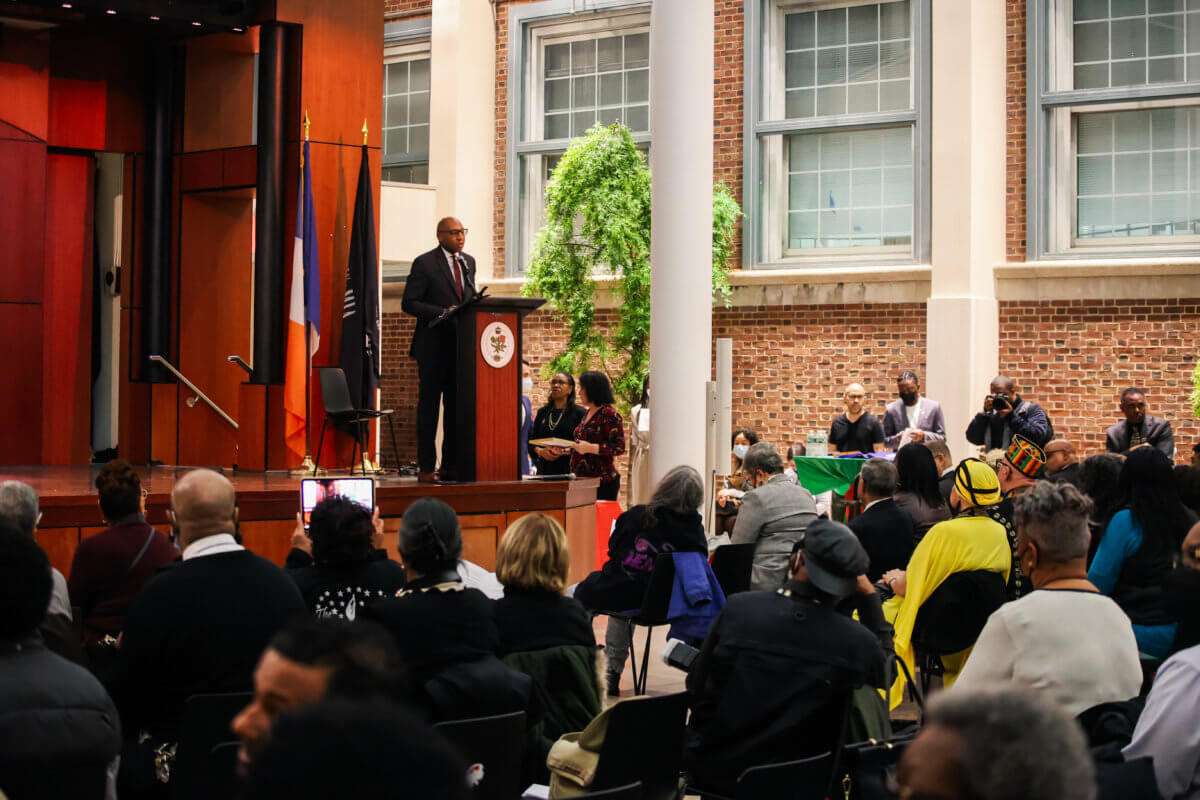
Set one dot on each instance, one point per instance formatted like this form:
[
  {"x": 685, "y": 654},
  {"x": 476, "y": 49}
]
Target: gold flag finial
[
  {"x": 364, "y": 130},
  {"x": 306, "y": 124}
]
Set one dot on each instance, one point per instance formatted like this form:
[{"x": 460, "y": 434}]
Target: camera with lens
[{"x": 1000, "y": 402}]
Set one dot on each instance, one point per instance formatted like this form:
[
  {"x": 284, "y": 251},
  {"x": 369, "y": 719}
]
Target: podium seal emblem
[{"x": 497, "y": 344}]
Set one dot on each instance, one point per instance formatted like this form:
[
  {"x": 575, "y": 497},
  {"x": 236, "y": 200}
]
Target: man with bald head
[
  {"x": 856, "y": 430},
  {"x": 1006, "y": 413},
  {"x": 440, "y": 280},
  {"x": 197, "y": 627}
]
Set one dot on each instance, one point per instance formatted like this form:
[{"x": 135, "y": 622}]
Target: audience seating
[
  {"x": 952, "y": 618},
  {"x": 494, "y": 748},
  {"x": 652, "y": 614},
  {"x": 205, "y": 724},
  {"x": 732, "y": 564},
  {"x": 644, "y": 742},
  {"x": 806, "y": 779},
  {"x": 863, "y": 768}
]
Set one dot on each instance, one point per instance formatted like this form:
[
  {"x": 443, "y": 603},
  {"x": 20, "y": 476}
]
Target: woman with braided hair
[{"x": 445, "y": 630}]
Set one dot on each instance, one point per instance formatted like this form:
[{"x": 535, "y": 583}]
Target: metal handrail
[{"x": 179, "y": 376}]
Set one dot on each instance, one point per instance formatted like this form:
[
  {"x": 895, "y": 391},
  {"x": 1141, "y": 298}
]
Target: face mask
[
  {"x": 909, "y": 398},
  {"x": 527, "y": 386},
  {"x": 740, "y": 450}
]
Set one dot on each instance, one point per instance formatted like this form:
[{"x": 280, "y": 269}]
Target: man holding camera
[{"x": 1004, "y": 414}]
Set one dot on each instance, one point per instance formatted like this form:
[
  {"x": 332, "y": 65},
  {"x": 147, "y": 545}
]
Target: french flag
[{"x": 304, "y": 305}]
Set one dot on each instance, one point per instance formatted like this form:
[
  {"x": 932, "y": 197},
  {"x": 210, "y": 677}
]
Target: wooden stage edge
[{"x": 268, "y": 503}]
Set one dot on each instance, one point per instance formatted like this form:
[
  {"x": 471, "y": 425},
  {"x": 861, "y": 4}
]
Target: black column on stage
[
  {"x": 270, "y": 306},
  {"x": 163, "y": 74}
]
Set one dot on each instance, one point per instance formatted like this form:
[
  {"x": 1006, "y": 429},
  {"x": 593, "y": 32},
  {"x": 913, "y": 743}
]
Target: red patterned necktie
[{"x": 458, "y": 273}]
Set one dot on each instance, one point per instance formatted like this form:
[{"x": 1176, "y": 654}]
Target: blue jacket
[{"x": 696, "y": 598}]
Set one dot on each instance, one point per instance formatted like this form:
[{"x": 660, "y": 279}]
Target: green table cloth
[{"x": 822, "y": 474}]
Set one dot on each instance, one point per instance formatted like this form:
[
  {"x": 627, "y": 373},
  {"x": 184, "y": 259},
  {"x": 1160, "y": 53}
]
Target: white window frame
[
  {"x": 392, "y": 54},
  {"x": 1051, "y": 178},
  {"x": 766, "y": 130},
  {"x": 533, "y": 26}
]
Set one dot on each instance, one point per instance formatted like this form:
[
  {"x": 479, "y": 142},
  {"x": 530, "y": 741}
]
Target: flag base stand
[
  {"x": 370, "y": 468},
  {"x": 306, "y": 468}
]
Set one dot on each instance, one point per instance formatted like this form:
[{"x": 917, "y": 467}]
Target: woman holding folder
[{"x": 558, "y": 419}]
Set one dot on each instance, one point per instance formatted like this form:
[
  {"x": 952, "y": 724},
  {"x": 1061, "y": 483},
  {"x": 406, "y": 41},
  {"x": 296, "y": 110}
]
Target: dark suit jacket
[
  {"x": 429, "y": 291},
  {"x": 886, "y": 533},
  {"x": 1068, "y": 474},
  {"x": 1156, "y": 432},
  {"x": 945, "y": 484}
]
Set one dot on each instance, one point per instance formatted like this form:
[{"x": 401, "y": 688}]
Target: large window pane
[
  {"x": 406, "y": 120},
  {"x": 846, "y": 53},
  {"x": 1130, "y": 43},
  {"x": 609, "y": 81},
  {"x": 849, "y": 189},
  {"x": 1134, "y": 173}
]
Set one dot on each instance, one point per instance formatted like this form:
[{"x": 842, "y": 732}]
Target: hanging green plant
[
  {"x": 597, "y": 223},
  {"x": 1195, "y": 398}
]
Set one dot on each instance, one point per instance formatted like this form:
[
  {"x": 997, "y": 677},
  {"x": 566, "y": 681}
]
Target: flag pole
[
  {"x": 367, "y": 465},
  {"x": 307, "y": 466}
]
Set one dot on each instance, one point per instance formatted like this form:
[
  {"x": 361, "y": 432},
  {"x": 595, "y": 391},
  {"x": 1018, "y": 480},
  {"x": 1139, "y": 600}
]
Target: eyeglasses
[{"x": 455, "y": 232}]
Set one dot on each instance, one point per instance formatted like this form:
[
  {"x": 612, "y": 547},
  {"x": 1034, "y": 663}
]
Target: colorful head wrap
[
  {"x": 1025, "y": 457},
  {"x": 977, "y": 483}
]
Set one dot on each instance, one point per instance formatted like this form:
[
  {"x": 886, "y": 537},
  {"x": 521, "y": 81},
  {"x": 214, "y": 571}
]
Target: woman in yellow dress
[{"x": 969, "y": 541}]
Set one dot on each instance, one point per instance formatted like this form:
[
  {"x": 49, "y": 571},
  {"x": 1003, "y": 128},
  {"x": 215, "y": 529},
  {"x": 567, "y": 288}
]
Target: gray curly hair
[
  {"x": 1055, "y": 517},
  {"x": 1015, "y": 744}
]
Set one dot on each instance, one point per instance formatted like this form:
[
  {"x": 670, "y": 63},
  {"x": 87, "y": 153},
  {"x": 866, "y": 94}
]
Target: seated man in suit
[
  {"x": 196, "y": 628},
  {"x": 440, "y": 279},
  {"x": 1139, "y": 429},
  {"x": 884, "y": 528},
  {"x": 945, "y": 464},
  {"x": 912, "y": 418}
]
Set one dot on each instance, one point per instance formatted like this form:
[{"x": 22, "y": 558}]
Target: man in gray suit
[
  {"x": 912, "y": 418},
  {"x": 774, "y": 515}
]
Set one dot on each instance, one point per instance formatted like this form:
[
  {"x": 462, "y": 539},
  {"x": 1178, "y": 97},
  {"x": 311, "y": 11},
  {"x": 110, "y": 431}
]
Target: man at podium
[{"x": 440, "y": 280}]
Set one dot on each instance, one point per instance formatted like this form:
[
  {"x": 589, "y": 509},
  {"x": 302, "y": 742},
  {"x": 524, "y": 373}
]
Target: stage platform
[{"x": 268, "y": 503}]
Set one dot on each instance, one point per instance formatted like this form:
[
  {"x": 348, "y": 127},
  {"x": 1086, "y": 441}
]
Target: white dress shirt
[{"x": 211, "y": 546}]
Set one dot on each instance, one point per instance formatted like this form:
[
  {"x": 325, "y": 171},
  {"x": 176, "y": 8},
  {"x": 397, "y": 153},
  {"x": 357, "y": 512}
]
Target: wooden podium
[{"x": 489, "y": 387}]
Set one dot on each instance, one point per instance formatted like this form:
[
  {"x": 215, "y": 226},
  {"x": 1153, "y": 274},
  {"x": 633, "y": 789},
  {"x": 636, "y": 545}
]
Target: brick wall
[
  {"x": 1075, "y": 357},
  {"x": 393, "y": 8},
  {"x": 1015, "y": 132},
  {"x": 790, "y": 363}
]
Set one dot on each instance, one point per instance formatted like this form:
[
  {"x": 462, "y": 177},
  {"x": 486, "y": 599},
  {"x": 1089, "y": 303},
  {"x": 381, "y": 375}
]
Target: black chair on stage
[
  {"x": 653, "y": 613},
  {"x": 335, "y": 396},
  {"x": 951, "y": 619},
  {"x": 494, "y": 749},
  {"x": 733, "y": 564},
  {"x": 205, "y": 724},
  {"x": 644, "y": 742}
]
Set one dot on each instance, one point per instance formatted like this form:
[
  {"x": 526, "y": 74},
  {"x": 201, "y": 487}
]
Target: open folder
[{"x": 552, "y": 442}]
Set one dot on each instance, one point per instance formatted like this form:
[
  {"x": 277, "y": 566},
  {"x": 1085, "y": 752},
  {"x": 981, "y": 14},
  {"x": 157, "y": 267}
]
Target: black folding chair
[
  {"x": 494, "y": 749},
  {"x": 806, "y": 779},
  {"x": 335, "y": 396},
  {"x": 205, "y": 724},
  {"x": 732, "y": 564},
  {"x": 950, "y": 620},
  {"x": 222, "y": 769},
  {"x": 653, "y": 613},
  {"x": 631, "y": 792},
  {"x": 644, "y": 742}
]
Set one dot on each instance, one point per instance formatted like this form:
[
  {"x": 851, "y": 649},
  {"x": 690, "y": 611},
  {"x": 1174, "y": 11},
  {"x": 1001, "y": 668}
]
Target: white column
[
  {"x": 681, "y": 122},
  {"x": 462, "y": 125},
  {"x": 968, "y": 208}
]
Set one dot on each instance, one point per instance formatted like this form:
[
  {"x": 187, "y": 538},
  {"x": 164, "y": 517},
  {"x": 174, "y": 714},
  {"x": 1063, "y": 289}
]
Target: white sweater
[{"x": 1074, "y": 647}]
